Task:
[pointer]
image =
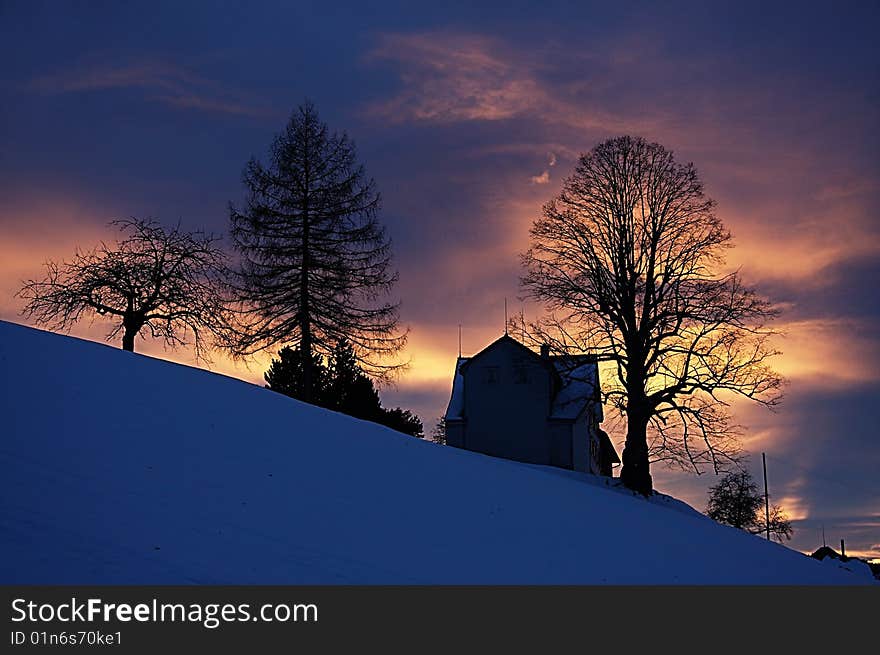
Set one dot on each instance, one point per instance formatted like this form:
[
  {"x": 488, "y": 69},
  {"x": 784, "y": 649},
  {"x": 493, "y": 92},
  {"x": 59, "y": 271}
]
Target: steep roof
[
  {"x": 577, "y": 378},
  {"x": 502, "y": 340}
]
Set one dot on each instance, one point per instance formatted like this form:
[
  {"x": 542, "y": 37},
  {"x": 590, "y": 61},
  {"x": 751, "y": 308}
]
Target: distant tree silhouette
[
  {"x": 404, "y": 421},
  {"x": 350, "y": 390},
  {"x": 339, "y": 385},
  {"x": 438, "y": 434},
  {"x": 625, "y": 259},
  {"x": 285, "y": 375},
  {"x": 168, "y": 283},
  {"x": 736, "y": 501},
  {"x": 314, "y": 261}
]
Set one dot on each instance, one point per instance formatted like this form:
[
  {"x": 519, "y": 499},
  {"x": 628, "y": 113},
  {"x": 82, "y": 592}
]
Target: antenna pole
[
  {"x": 459, "y": 340},
  {"x": 505, "y": 316},
  {"x": 766, "y": 496}
]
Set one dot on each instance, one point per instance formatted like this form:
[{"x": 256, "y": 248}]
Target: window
[
  {"x": 492, "y": 376},
  {"x": 520, "y": 374}
]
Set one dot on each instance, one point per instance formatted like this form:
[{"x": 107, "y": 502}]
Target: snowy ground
[{"x": 119, "y": 468}]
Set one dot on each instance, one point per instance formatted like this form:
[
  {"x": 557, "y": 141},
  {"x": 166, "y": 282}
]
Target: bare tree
[
  {"x": 735, "y": 501},
  {"x": 626, "y": 259},
  {"x": 314, "y": 260},
  {"x": 167, "y": 282}
]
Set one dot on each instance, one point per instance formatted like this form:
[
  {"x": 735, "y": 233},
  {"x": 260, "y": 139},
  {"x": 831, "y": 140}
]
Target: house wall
[
  {"x": 560, "y": 443},
  {"x": 582, "y": 437},
  {"x": 455, "y": 434},
  {"x": 506, "y": 405}
]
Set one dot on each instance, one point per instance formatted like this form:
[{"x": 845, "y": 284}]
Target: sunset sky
[{"x": 469, "y": 119}]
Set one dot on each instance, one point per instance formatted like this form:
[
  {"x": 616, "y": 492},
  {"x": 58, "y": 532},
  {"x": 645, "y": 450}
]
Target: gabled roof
[
  {"x": 576, "y": 382},
  {"x": 828, "y": 551},
  {"x": 503, "y": 339}
]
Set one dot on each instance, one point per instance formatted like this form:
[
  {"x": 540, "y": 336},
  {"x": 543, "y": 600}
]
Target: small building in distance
[
  {"x": 509, "y": 401},
  {"x": 854, "y": 564}
]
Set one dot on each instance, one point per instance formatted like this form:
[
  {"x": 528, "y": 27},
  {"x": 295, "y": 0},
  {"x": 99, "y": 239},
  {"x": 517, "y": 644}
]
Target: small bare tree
[
  {"x": 168, "y": 282},
  {"x": 735, "y": 501},
  {"x": 626, "y": 259}
]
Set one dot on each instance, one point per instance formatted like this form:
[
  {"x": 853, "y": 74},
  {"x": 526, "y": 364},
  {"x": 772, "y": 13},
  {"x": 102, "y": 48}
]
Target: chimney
[
  {"x": 545, "y": 351},
  {"x": 842, "y": 549}
]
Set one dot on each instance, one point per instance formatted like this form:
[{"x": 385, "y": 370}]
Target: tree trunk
[
  {"x": 132, "y": 322},
  {"x": 305, "y": 326},
  {"x": 636, "y": 473},
  {"x": 305, "y": 346},
  {"x": 128, "y": 338}
]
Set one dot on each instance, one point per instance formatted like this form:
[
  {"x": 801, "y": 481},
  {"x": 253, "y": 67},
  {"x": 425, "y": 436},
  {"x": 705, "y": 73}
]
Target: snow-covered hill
[{"x": 119, "y": 468}]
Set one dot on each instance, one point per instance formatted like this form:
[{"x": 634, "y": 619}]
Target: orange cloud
[
  {"x": 798, "y": 236},
  {"x": 827, "y": 352},
  {"x": 792, "y": 211}
]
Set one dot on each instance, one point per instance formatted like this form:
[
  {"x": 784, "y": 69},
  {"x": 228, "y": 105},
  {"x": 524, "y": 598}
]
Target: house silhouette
[{"x": 511, "y": 402}]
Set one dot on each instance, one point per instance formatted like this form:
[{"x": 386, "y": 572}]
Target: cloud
[
  {"x": 831, "y": 352},
  {"x": 543, "y": 178},
  {"x": 797, "y": 208},
  {"x": 805, "y": 202},
  {"x": 114, "y": 76},
  {"x": 166, "y": 83},
  {"x": 451, "y": 77}
]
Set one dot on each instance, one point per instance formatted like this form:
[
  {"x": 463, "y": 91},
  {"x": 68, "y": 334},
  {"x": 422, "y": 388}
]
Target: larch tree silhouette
[
  {"x": 167, "y": 283},
  {"x": 315, "y": 264},
  {"x": 626, "y": 259}
]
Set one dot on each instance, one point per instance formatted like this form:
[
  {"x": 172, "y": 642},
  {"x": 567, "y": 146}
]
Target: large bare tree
[
  {"x": 627, "y": 259},
  {"x": 168, "y": 283},
  {"x": 315, "y": 263}
]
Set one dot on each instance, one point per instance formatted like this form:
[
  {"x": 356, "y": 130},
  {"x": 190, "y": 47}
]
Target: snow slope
[{"x": 120, "y": 468}]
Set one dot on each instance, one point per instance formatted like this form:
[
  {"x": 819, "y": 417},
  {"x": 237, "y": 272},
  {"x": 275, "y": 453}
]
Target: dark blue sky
[{"x": 469, "y": 117}]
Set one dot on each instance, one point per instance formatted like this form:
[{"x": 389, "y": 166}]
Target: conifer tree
[
  {"x": 285, "y": 375},
  {"x": 340, "y": 385},
  {"x": 315, "y": 264}
]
